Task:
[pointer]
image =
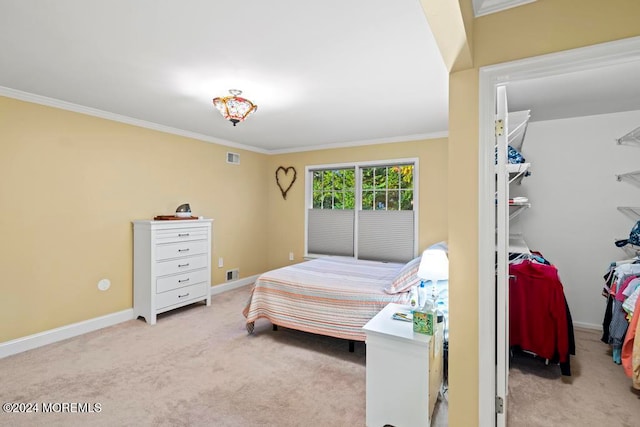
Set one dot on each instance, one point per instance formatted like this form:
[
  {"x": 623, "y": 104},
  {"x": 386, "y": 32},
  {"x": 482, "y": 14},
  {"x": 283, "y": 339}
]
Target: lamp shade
[{"x": 434, "y": 265}]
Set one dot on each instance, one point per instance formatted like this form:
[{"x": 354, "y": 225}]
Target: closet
[
  {"x": 517, "y": 167},
  {"x": 584, "y": 193},
  {"x": 633, "y": 212},
  {"x": 580, "y": 100},
  {"x": 539, "y": 320},
  {"x": 622, "y": 287}
]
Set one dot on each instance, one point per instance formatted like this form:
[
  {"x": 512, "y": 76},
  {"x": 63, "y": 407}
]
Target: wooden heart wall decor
[{"x": 285, "y": 177}]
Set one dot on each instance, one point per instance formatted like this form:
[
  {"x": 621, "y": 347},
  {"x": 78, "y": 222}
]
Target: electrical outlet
[
  {"x": 290, "y": 256},
  {"x": 220, "y": 262}
]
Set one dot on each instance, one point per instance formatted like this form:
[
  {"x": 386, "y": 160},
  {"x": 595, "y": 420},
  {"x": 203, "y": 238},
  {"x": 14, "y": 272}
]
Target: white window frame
[{"x": 308, "y": 175}]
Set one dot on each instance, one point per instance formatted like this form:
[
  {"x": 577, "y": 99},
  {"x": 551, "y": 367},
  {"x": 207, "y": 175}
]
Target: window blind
[
  {"x": 386, "y": 235},
  {"x": 330, "y": 231}
]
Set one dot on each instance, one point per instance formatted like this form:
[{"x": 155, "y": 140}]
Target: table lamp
[{"x": 434, "y": 266}]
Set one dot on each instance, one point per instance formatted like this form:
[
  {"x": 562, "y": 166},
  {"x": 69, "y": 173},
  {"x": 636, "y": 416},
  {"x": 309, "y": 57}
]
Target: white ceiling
[
  {"x": 323, "y": 73},
  {"x": 601, "y": 89}
]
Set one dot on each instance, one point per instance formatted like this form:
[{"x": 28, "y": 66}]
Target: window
[
  {"x": 387, "y": 188},
  {"x": 334, "y": 189},
  {"x": 364, "y": 210}
]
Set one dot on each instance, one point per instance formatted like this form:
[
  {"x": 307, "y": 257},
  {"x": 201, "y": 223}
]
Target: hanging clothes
[
  {"x": 627, "y": 347},
  {"x": 622, "y": 277},
  {"x": 620, "y": 325},
  {"x": 606, "y": 321},
  {"x": 539, "y": 317}
]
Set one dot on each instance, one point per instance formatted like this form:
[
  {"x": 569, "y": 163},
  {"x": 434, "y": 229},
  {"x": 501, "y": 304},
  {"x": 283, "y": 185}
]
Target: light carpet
[
  {"x": 596, "y": 394},
  {"x": 196, "y": 367}
]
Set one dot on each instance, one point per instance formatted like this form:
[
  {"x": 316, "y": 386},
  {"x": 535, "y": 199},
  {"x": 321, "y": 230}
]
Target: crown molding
[
  {"x": 391, "y": 140},
  {"x": 69, "y": 106},
  {"x": 486, "y": 7},
  {"x": 76, "y": 108}
]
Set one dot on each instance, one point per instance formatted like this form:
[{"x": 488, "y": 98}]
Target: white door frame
[
  {"x": 501, "y": 195},
  {"x": 490, "y": 77}
]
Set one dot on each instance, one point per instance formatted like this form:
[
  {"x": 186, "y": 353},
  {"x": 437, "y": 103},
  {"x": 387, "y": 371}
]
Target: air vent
[
  {"x": 233, "y": 274},
  {"x": 233, "y": 158}
]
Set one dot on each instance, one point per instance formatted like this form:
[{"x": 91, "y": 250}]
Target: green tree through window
[
  {"x": 383, "y": 188},
  {"x": 334, "y": 189},
  {"x": 365, "y": 210},
  {"x": 387, "y": 188}
]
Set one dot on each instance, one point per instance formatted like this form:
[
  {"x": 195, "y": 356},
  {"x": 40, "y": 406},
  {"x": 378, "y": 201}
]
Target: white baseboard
[
  {"x": 51, "y": 336},
  {"x": 587, "y": 326},
  {"x": 30, "y": 342},
  {"x": 227, "y": 286}
]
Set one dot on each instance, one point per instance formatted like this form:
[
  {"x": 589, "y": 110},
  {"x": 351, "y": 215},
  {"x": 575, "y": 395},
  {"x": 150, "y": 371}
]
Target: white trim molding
[
  {"x": 587, "y": 326},
  {"x": 76, "y": 108},
  {"x": 51, "y": 336},
  {"x": 30, "y": 342},
  {"x": 392, "y": 140},
  {"x": 228, "y": 286},
  {"x": 485, "y": 7}
]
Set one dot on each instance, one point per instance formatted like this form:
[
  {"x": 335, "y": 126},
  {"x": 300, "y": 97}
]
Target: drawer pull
[
  {"x": 182, "y": 281},
  {"x": 185, "y": 295},
  {"x": 183, "y": 234},
  {"x": 183, "y": 250},
  {"x": 183, "y": 265}
]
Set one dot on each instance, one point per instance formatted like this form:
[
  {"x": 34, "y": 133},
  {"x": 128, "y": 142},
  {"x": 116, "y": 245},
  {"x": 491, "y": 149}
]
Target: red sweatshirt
[{"x": 537, "y": 311}]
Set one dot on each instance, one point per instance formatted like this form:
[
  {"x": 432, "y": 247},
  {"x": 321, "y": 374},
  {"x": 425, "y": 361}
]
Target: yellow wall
[
  {"x": 71, "y": 185},
  {"x": 547, "y": 26},
  {"x": 286, "y": 217},
  {"x": 537, "y": 28},
  {"x": 76, "y": 182},
  {"x": 451, "y": 23}
]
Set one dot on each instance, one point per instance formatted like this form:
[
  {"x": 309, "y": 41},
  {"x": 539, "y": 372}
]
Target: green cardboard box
[{"x": 424, "y": 322}]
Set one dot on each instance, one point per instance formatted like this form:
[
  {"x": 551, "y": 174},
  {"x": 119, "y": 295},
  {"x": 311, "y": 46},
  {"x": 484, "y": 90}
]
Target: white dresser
[
  {"x": 171, "y": 265},
  {"x": 404, "y": 371}
]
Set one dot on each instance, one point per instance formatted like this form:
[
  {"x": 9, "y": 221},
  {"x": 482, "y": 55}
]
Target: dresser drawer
[
  {"x": 175, "y": 281},
  {"x": 182, "y": 249},
  {"x": 181, "y": 234},
  {"x": 181, "y": 265},
  {"x": 177, "y": 296},
  {"x": 171, "y": 265}
]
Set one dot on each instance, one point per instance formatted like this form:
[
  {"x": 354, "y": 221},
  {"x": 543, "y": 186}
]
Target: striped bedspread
[{"x": 332, "y": 296}]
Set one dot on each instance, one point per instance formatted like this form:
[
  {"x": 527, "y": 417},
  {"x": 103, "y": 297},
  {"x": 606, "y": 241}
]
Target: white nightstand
[{"x": 404, "y": 371}]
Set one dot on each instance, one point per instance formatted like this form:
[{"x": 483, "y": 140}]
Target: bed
[{"x": 333, "y": 296}]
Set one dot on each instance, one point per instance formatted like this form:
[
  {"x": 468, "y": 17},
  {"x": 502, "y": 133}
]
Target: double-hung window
[{"x": 367, "y": 210}]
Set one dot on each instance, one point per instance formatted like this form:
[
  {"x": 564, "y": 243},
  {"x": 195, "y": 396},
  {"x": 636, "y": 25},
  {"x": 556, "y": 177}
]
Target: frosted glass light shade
[{"x": 434, "y": 265}]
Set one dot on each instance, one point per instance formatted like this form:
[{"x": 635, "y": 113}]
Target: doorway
[{"x": 589, "y": 58}]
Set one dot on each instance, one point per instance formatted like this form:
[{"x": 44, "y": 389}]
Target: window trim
[{"x": 308, "y": 198}]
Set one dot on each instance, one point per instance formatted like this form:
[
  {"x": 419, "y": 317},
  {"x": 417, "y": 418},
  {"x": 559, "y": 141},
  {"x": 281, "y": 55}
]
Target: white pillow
[{"x": 406, "y": 277}]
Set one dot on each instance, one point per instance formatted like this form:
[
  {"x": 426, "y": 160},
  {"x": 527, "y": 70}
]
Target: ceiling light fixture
[{"x": 234, "y": 108}]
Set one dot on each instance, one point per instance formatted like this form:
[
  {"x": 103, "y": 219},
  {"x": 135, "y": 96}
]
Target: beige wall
[
  {"x": 547, "y": 26},
  {"x": 537, "y": 28},
  {"x": 286, "y": 217},
  {"x": 76, "y": 182},
  {"x": 451, "y": 22},
  {"x": 71, "y": 185}
]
